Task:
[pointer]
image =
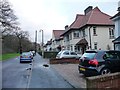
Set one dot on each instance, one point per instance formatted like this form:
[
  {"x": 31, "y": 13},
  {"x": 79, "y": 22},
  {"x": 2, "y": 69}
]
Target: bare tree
[
  {"x": 21, "y": 35},
  {"x": 8, "y": 20}
]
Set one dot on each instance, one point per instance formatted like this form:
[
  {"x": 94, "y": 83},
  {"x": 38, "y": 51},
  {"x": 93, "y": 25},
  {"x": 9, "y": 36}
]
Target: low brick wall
[
  {"x": 104, "y": 81},
  {"x": 64, "y": 60}
]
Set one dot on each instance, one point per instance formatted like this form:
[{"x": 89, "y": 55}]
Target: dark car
[{"x": 99, "y": 62}]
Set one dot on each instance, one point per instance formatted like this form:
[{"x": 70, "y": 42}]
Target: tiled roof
[
  {"x": 57, "y": 33},
  {"x": 116, "y": 40},
  {"x": 96, "y": 17},
  {"x": 78, "y": 21},
  {"x": 93, "y": 17},
  {"x": 116, "y": 15},
  {"x": 82, "y": 41},
  {"x": 49, "y": 42}
]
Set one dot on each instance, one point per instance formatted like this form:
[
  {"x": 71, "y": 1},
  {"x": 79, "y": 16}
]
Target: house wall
[
  {"x": 56, "y": 43},
  {"x": 53, "y": 42},
  {"x": 117, "y": 28},
  {"x": 102, "y": 38},
  {"x": 71, "y": 43}
]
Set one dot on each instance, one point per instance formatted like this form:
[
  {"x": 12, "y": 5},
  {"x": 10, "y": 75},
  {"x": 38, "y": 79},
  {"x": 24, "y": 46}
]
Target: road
[{"x": 16, "y": 75}]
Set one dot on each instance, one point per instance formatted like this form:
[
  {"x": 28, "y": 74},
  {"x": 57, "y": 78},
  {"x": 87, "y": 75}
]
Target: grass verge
[{"x": 8, "y": 56}]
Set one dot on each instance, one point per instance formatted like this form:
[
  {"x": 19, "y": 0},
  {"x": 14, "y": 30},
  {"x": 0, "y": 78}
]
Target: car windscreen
[
  {"x": 59, "y": 53},
  {"x": 88, "y": 55},
  {"x": 66, "y": 53},
  {"x": 26, "y": 54}
]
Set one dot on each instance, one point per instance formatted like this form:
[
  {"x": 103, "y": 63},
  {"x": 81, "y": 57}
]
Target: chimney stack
[
  {"x": 119, "y": 6},
  {"x": 66, "y": 27},
  {"x": 88, "y": 9}
]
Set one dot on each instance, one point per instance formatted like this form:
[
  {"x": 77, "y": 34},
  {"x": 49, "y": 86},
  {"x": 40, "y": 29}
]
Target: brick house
[
  {"x": 92, "y": 30},
  {"x": 57, "y": 40}
]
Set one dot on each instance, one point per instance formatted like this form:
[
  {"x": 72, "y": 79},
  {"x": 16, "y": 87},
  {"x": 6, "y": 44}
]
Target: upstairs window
[
  {"x": 70, "y": 35},
  {"x": 94, "y": 31},
  {"x": 76, "y": 34},
  {"x": 67, "y": 38},
  {"x": 111, "y": 33},
  {"x": 83, "y": 32}
]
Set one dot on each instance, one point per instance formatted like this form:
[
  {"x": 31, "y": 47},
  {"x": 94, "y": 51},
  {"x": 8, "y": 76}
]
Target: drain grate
[{"x": 45, "y": 65}]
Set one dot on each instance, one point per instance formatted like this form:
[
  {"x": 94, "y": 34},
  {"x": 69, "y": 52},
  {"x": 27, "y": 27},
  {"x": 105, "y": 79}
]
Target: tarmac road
[
  {"x": 43, "y": 76},
  {"x": 16, "y": 75}
]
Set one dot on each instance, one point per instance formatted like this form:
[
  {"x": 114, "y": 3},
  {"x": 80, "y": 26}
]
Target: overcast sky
[{"x": 51, "y": 15}]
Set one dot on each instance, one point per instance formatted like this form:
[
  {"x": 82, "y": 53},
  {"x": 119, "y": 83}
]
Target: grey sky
[{"x": 54, "y": 14}]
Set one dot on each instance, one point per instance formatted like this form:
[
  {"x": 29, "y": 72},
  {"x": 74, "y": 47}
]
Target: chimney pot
[
  {"x": 119, "y": 6},
  {"x": 66, "y": 27},
  {"x": 88, "y": 9}
]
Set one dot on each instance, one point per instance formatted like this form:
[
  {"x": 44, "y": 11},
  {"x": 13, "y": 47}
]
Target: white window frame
[{"x": 111, "y": 33}]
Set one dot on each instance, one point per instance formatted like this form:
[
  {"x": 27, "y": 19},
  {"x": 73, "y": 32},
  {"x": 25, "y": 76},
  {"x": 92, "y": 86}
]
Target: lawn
[{"x": 8, "y": 56}]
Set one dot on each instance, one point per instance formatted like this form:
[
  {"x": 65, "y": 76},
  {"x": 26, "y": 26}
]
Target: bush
[{"x": 49, "y": 54}]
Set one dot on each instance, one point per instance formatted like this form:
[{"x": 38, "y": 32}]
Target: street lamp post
[{"x": 42, "y": 43}]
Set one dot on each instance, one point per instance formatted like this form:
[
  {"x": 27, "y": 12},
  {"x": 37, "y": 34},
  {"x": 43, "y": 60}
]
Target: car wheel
[{"x": 105, "y": 71}]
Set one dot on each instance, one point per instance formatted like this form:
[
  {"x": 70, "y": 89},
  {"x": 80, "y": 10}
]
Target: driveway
[{"x": 70, "y": 73}]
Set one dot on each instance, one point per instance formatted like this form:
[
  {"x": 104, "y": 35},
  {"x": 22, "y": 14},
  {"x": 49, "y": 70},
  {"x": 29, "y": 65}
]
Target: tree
[
  {"x": 8, "y": 20},
  {"x": 21, "y": 35},
  {"x": 13, "y": 37}
]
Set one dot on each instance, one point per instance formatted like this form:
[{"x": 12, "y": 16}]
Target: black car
[{"x": 99, "y": 62}]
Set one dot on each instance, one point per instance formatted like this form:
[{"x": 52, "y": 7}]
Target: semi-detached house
[
  {"x": 92, "y": 30},
  {"x": 57, "y": 40},
  {"x": 116, "y": 19}
]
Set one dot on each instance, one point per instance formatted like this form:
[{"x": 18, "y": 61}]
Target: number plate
[{"x": 82, "y": 69}]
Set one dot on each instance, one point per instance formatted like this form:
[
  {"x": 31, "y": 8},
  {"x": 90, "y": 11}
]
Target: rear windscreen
[{"x": 88, "y": 55}]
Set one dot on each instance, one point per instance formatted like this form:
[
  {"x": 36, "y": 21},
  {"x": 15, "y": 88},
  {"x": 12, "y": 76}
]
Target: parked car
[
  {"x": 67, "y": 54},
  {"x": 99, "y": 62},
  {"x": 33, "y": 52},
  {"x": 26, "y": 57}
]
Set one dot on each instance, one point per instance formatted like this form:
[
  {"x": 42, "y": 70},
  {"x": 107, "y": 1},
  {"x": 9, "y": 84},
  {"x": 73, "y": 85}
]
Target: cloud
[{"x": 54, "y": 14}]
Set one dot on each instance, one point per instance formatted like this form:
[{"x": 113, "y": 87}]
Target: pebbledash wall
[{"x": 104, "y": 81}]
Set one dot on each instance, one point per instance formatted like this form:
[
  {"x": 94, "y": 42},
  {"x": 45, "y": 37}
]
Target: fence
[{"x": 104, "y": 81}]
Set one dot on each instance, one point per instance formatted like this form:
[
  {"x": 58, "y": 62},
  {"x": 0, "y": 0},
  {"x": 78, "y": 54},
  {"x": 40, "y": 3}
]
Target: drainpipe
[{"x": 90, "y": 38}]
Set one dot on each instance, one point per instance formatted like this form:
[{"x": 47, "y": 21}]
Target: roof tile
[{"x": 57, "y": 33}]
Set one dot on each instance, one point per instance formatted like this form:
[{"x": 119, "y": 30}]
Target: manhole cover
[{"x": 45, "y": 65}]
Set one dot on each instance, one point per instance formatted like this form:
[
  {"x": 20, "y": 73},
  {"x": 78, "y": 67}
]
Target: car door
[
  {"x": 73, "y": 55},
  {"x": 113, "y": 60},
  {"x": 66, "y": 54}
]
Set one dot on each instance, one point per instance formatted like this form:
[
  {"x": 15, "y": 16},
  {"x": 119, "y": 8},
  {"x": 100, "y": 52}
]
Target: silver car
[
  {"x": 67, "y": 54},
  {"x": 25, "y": 57}
]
